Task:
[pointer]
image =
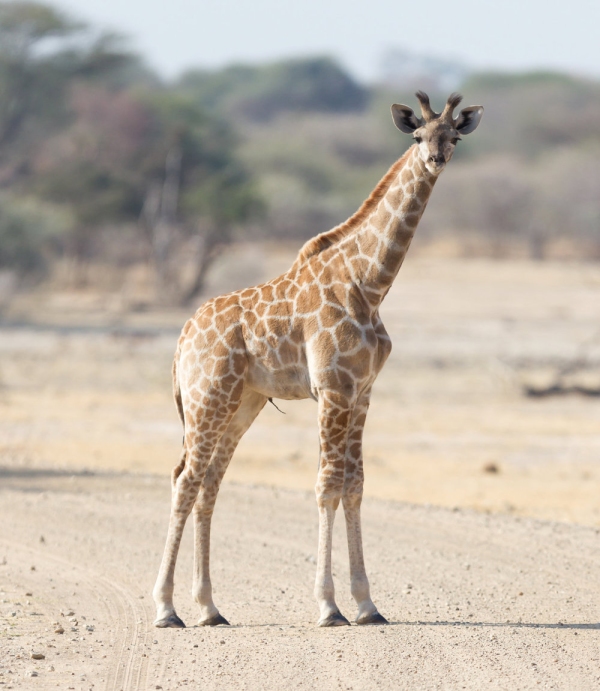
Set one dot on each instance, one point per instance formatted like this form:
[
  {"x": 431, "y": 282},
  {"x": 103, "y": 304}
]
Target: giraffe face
[
  {"x": 436, "y": 134},
  {"x": 436, "y": 142}
]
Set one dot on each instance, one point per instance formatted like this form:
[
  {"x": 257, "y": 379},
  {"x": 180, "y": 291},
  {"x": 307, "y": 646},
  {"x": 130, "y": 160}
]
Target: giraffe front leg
[
  {"x": 334, "y": 414},
  {"x": 359, "y": 583},
  {"x": 352, "y": 499}
]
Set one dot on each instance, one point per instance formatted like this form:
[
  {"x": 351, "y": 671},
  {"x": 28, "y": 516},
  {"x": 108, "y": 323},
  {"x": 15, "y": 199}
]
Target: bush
[
  {"x": 28, "y": 231},
  {"x": 260, "y": 93}
]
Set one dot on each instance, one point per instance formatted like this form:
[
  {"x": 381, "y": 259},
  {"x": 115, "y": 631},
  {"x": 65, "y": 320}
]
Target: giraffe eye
[
  {"x": 456, "y": 140},
  {"x": 418, "y": 140}
]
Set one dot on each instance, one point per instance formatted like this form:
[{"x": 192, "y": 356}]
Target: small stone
[
  {"x": 28, "y": 594},
  {"x": 59, "y": 629},
  {"x": 13, "y": 614},
  {"x": 38, "y": 656},
  {"x": 491, "y": 468},
  {"x": 89, "y": 627},
  {"x": 32, "y": 674},
  {"x": 222, "y": 642}
]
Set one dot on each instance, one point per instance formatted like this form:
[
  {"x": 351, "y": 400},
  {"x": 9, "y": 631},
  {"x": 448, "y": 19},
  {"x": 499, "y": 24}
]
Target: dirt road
[{"x": 474, "y": 601}]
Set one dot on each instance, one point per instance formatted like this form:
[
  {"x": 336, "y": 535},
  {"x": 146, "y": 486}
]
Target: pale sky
[{"x": 505, "y": 34}]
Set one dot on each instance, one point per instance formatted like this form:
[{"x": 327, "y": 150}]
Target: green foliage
[
  {"x": 23, "y": 25},
  {"x": 39, "y": 62},
  {"x": 215, "y": 184},
  {"x": 528, "y": 114},
  {"x": 260, "y": 93},
  {"x": 95, "y": 195},
  {"x": 28, "y": 232}
]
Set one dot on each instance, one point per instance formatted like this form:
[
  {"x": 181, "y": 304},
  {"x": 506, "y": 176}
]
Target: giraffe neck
[{"x": 376, "y": 250}]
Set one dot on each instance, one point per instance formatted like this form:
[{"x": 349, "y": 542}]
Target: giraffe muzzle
[{"x": 437, "y": 160}]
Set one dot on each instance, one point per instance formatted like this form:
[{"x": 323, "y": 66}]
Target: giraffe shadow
[
  {"x": 457, "y": 624},
  {"x": 42, "y": 473},
  {"x": 497, "y": 624},
  {"x": 35, "y": 480}
]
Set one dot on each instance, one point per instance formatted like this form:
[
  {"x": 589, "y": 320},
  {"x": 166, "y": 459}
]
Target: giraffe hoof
[
  {"x": 335, "y": 619},
  {"x": 372, "y": 619},
  {"x": 170, "y": 622},
  {"x": 215, "y": 620}
]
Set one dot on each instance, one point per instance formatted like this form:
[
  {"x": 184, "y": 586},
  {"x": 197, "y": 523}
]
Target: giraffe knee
[{"x": 177, "y": 470}]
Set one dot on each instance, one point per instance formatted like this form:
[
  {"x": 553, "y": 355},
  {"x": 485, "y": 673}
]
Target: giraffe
[{"x": 313, "y": 332}]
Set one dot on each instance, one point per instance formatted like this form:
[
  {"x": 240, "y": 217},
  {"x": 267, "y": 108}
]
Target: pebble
[
  {"x": 59, "y": 629},
  {"x": 38, "y": 656},
  {"x": 32, "y": 674}
]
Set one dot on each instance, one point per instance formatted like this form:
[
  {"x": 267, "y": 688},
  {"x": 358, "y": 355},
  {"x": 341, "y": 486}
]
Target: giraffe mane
[{"x": 324, "y": 240}]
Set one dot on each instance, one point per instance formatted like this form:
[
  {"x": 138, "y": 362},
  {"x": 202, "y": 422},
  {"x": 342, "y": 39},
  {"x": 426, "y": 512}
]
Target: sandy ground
[
  {"x": 474, "y": 601},
  {"x": 88, "y": 435}
]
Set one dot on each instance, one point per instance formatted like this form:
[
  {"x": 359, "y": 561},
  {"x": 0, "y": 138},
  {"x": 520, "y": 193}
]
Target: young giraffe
[{"x": 314, "y": 332}]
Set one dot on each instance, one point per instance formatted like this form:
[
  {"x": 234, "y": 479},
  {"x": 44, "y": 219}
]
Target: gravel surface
[{"x": 475, "y": 601}]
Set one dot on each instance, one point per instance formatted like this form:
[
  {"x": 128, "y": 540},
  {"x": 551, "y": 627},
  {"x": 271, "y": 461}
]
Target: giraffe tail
[{"x": 178, "y": 469}]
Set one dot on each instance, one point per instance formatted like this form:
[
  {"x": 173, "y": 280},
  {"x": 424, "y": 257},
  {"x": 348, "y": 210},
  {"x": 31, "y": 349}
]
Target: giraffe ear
[
  {"x": 405, "y": 119},
  {"x": 468, "y": 119}
]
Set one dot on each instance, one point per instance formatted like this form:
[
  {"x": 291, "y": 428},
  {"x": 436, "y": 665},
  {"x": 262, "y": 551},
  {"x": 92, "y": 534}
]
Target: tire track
[{"x": 128, "y": 621}]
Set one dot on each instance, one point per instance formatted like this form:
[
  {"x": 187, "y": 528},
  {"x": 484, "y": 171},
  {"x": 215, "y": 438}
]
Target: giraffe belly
[{"x": 289, "y": 383}]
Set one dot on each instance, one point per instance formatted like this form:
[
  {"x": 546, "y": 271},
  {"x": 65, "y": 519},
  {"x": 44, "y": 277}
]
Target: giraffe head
[{"x": 436, "y": 134}]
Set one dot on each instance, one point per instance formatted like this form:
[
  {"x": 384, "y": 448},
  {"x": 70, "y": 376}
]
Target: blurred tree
[
  {"x": 24, "y": 29},
  {"x": 195, "y": 187},
  {"x": 29, "y": 232},
  {"x": 150, "y": 155},
  {"x": 529, "y": 113},
  {"x": 260, "y": 93},
  {"x": 41, "y": 53},
  {"x": 86, "y": 126}
]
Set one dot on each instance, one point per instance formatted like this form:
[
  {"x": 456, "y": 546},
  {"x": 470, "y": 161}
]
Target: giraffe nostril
[{"x": 439, "y": 158}]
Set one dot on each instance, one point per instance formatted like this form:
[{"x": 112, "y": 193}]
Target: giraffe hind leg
[
  {"x": 171, "y": 620},
  {"x": 251, "y": 405},
  {"x": 202, "y": 437}
]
